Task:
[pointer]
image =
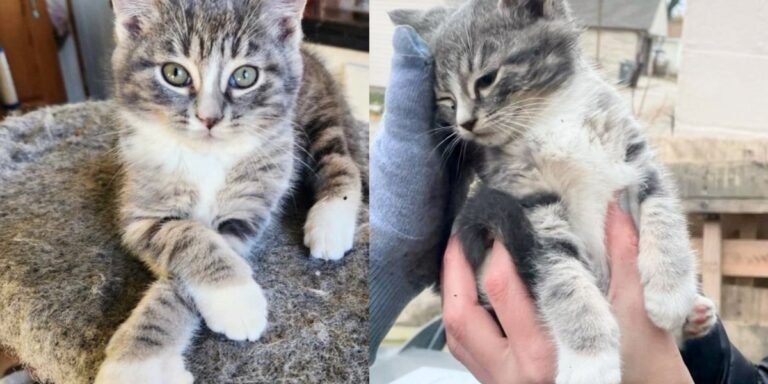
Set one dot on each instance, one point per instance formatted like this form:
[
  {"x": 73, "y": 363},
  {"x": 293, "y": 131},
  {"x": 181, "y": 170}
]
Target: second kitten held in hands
[{"x": 552, "y": 143}]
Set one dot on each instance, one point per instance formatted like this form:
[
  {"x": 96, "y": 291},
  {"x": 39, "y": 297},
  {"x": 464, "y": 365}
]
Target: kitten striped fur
[
  {"x": 207, "y": 165},
  {"x": 551, "y": 144}
]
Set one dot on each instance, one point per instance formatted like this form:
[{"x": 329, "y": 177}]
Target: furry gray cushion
[{"x": 65, "y": 284}]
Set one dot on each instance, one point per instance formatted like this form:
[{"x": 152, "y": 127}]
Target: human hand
[
  {"x": 649, "y": 354},
  {"x": 520, "y": 352}
]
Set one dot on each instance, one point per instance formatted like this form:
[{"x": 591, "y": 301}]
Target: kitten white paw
[
  {"x": 668, "y": 310},
  {"x": 701, "y": 320},
  {"x": 237, "y": 311},
  {"x": 330, "y": 228},
  {"x": 165, "y": 369},
  {"x": 578, "y": 368}
]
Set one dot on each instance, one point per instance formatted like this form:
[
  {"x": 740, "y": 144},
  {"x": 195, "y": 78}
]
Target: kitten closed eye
[{"x": 486, "y": 81}]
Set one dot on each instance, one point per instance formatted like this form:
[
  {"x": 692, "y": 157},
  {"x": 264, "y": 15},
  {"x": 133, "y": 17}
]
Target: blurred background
[
  {"x": 693, "y": 72},
  {"x": 58, "y": 51}
]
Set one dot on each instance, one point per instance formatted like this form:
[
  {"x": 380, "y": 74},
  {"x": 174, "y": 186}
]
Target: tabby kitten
[
  {"x": 552, "y": 144},
  {"x": 220, "y": 109}
]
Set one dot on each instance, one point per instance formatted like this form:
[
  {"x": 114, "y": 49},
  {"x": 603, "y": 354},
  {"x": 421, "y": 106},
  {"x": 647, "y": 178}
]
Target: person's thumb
[{"x": 622, "y": 247}]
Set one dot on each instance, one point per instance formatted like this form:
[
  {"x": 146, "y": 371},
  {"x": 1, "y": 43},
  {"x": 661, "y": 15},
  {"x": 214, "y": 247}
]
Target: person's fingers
[
  {"x": 467, "y": 323},
  {"x": 509, "y": 296},
  {"x": 626, "y": 288},
  {"x": 479, "y": 369}
]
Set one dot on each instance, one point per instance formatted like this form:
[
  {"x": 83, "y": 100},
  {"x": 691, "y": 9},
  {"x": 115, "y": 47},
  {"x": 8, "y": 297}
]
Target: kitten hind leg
[
  {"x": 148, "y": 347},
  {"x": 329, "y": 231}
]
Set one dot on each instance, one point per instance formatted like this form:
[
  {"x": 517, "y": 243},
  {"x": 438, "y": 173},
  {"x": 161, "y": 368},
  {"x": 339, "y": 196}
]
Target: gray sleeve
[{"x": 409, "y": 190}]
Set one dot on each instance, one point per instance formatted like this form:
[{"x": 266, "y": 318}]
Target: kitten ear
[
  {"x": 132, "y": 17},
  {"x": 548, "y": 9},
  {"x": 410, "y": 17},
  {"x": 290, "y": 13},
  {"x": 424, "y": 22}
]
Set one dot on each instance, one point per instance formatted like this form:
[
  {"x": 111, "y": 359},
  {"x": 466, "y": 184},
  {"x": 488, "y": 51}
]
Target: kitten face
[
  {"x": 207, "y": 70},
  {"x": 497, "y": 63}
]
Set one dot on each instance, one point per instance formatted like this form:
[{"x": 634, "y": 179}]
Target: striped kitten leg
[
  {"x": 588, "y": 349},
  {"x": 219, "y": 280},
  {"x": 666, "y": 261},
  {"x": 148, "y": 347},
  {"x": 329, "y": 231}
]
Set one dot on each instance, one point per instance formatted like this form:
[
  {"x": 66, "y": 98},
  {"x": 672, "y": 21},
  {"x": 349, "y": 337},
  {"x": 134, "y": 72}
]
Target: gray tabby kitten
[
  {"x": 552, "y": 143},
  {"x": 220, "y": 109}
]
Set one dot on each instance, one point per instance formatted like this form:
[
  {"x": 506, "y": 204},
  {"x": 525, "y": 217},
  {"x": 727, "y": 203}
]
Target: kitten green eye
[
  {"x": 244, "y": 77},
  {"x": 176, "y": 75}
]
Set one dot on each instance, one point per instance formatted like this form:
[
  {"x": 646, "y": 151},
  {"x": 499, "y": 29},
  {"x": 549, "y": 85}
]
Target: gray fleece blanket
[{"x": 66, "y": 285}]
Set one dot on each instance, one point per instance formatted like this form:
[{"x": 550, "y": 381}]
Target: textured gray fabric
[{"x": 65, "y": 284}]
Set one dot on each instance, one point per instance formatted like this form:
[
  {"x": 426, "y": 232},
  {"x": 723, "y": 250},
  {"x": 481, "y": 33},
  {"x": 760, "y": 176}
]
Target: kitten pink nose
[
  {"x": 469, "y": 125},
  {"x": 209, "y": 122}
]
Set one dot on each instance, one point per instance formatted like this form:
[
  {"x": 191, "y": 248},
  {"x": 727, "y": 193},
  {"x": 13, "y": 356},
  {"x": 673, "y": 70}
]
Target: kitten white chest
[
  {"x": 204, "y": 170},
  {"x": 207, "y": 174}
]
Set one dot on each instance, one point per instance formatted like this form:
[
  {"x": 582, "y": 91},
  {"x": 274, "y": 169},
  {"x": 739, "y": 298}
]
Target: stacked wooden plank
[{"x": 724, "y": 186}]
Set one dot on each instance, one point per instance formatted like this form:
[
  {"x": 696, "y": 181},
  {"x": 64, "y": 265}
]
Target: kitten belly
[
  {"x": 587, "y": 201},
  {"x": 587, "y": 177}
]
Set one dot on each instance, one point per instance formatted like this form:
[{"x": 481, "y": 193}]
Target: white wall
[{"x": 723, "y": 85}]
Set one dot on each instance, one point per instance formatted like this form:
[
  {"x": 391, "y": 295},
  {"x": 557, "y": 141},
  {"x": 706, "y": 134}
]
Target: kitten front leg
[
  {"x": 329, "y": 231},
  {"x": 219, "y": 281},
  {"x": 580, "y": 319},
  {"x": 572, "y": 305},
  {"x": 149, "y": 346},
  {"x": 666, "y": 261}
]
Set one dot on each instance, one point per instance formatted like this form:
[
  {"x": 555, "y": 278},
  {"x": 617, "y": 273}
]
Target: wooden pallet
[{"x": 724, "y": 186}]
